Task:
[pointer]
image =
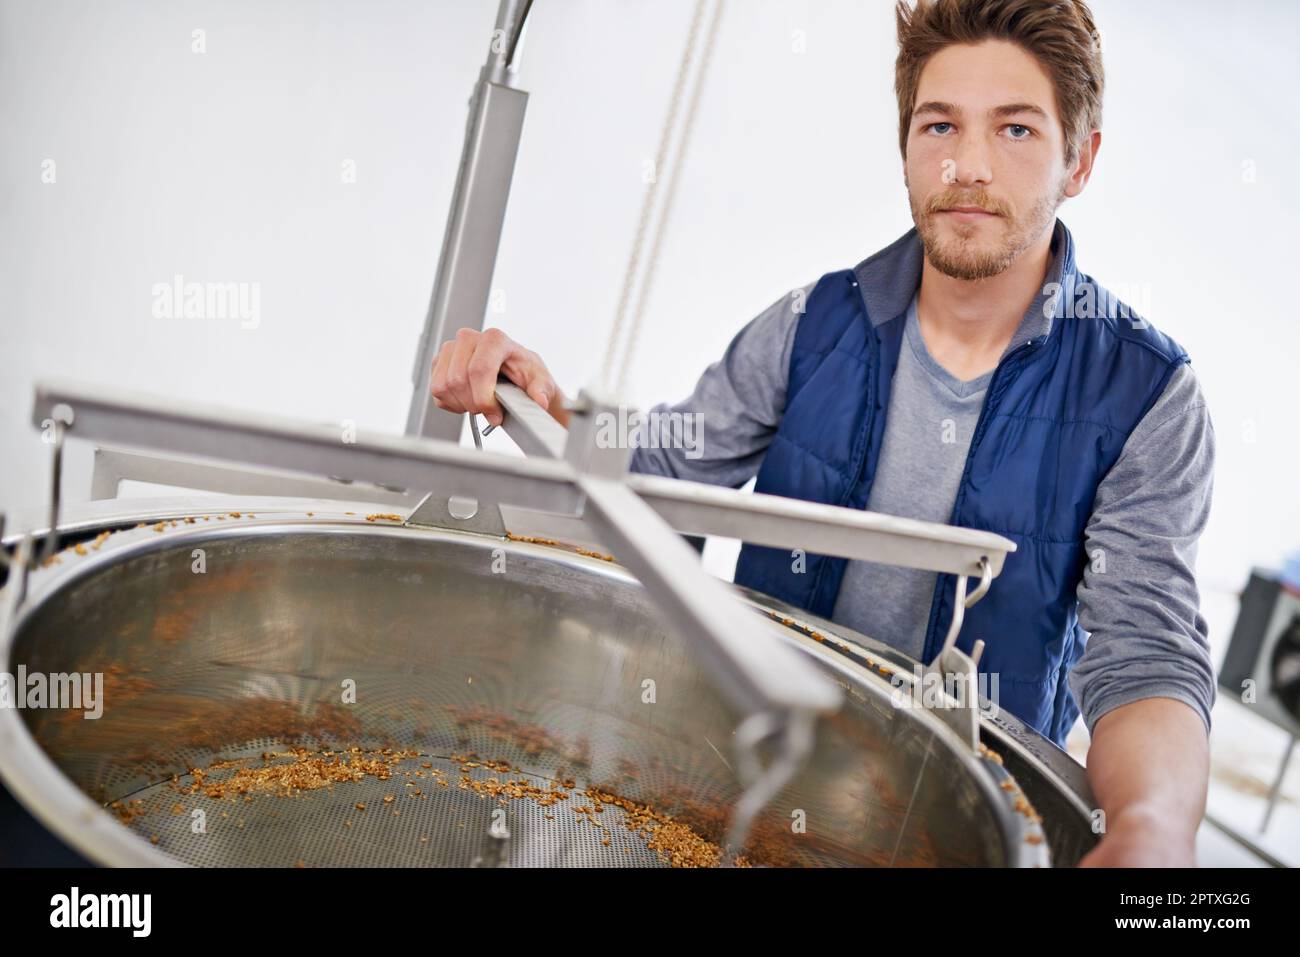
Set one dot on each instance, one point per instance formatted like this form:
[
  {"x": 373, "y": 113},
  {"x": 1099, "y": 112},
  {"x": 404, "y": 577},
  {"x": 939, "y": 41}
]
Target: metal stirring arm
[
  {"x": 776, "y": 690},
  {"x": 757, "y": 673},
  {"x": 693, "y": 508}
]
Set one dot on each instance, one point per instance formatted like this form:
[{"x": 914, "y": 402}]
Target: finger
[
  {"x": 527, "y": 371},
  {"x": 484, "y": 368},
  {"x": 541, "y": 389},
  {"x": 458, "y": 370},
  {"x": 438, "y": 378}
]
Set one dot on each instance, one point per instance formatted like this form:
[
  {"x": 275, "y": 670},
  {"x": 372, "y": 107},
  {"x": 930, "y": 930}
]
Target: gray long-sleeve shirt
[{"x": 1138, "y": 598}]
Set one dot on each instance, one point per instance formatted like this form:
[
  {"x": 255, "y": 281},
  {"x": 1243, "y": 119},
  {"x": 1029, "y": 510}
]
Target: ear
[{"x": 1083, "y": 166}]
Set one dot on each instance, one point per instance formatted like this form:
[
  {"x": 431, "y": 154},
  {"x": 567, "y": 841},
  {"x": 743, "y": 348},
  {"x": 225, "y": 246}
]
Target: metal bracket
[
  {"x": 458, "y": 511},
  {"x": 14, "y": 593},
  {"x": 61, "y": 416},
  {"x": 587, "y": 447},
  {"x": 793, "y": 733},
  {"x": 953, "y": 669}
]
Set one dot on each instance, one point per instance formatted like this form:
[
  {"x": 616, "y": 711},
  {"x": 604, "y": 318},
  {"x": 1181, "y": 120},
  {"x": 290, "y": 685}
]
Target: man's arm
[
  {"x": 740, "y": 400},
  {"x": 1149, "y": 765},
  {"x": 1145, "y": 684}
]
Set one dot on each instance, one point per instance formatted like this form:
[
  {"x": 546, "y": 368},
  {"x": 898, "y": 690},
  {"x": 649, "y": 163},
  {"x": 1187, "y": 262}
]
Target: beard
[{"x": 967, "y": 255}]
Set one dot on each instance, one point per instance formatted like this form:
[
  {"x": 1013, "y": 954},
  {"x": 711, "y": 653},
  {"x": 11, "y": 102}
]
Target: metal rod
[
  {"x": 697, "y": 509},
  {"x": 56, "y": 482},
  {"x": 1276, "y": 790},
  {"x": 755, "y": 675},
  {"x": 529, "y": 425},
  {"x": 1237, "y": 837},
  {"x": 114, "y": 466},
  {"x": 149, "y": 421},
  {"x": 472, "y": 236}
]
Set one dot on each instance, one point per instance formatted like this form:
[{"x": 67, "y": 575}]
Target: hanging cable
[
  {"x": 648, "y": 202},
  {"x": 670, "y": 194}
]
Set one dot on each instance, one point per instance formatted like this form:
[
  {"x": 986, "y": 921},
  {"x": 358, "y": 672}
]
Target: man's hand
[
  {"x": 1149, "y": 766},
  {"x": 465, "y": 374}
]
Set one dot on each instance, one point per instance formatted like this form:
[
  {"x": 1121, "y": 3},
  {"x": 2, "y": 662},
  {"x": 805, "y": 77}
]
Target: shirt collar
[{"x": 890, "y": 278}]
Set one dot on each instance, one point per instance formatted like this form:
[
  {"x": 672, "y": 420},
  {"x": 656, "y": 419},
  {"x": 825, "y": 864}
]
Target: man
[{"x": 971, "y": 374}]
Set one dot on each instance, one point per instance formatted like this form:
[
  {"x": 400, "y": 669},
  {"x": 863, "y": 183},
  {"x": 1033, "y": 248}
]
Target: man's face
[{"x": 985, "y": 169}]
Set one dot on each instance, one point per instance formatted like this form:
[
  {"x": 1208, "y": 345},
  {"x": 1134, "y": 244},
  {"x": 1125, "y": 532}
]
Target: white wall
[{"x": 225, "y": 166}]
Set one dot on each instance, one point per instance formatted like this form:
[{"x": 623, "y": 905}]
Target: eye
[
  {"x": 935, "y": 128},
  {"x": 1019, "y": 132}
]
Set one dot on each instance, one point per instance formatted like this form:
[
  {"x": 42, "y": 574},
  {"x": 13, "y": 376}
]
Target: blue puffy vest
[{"x": 1056, "y": 415}]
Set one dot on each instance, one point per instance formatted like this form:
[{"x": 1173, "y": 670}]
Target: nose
[{"x": 970, "y": 165}]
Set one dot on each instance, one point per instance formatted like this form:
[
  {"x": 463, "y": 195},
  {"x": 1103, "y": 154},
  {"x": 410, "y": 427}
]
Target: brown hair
[{"x": 1059, "y": 33}]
